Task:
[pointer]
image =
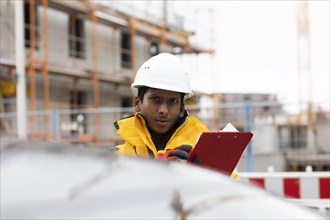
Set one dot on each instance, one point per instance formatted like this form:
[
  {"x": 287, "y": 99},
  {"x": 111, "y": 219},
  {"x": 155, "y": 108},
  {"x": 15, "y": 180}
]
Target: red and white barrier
[{"x": 299, "y": 185}]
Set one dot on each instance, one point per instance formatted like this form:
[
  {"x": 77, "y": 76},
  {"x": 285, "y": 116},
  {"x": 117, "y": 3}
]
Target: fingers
[
  {"x": 195, "y": 160},
  {"x": 184, "y": 147},
  {"x": 180, "y": 154}
]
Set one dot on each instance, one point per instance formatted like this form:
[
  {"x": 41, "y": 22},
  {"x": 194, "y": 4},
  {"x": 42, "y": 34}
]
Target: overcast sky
[
  {"x": 255, "y": 42},
  {"x": 256, "y": 48}
]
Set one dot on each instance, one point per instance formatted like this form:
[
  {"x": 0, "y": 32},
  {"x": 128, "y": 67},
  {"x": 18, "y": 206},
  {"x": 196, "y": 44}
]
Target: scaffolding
[{"x": 99, "y": 15}]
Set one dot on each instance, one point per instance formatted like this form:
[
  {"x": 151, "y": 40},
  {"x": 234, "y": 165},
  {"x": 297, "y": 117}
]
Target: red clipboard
[{"x": 220, "y": 151}]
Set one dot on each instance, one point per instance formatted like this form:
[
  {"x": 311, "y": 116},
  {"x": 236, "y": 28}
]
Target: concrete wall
[
  {"x": 263, "y": 161},
  {"x": 265, "y": 148},
  {"x": 322, "y": 135},
  {"x": 266, "y": 139},
  {"x": 7, "y": 30}
]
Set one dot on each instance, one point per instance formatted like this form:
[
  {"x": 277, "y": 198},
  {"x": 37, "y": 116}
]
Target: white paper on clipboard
[{"x": 229, "y": 127}]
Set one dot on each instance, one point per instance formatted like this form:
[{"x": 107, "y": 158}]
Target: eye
[
  {"x": 155, "y": 99},
  {"x": 174, "y": 101}
]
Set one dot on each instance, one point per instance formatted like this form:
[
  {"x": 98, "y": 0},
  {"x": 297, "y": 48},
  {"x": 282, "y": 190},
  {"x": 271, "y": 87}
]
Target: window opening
[
  {"x": 76, "y": 37},
  {"x": 126, "y": 50}
]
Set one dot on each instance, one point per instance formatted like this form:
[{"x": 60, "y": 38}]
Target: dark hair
[{"x": 143, "y": 89}]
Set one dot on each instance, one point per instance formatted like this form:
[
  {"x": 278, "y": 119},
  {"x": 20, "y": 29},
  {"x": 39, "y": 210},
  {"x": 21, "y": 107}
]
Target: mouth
[{"x": 162, "y": 122}]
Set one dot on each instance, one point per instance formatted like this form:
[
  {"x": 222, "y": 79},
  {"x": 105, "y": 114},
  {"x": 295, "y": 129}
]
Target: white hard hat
[{"x": 163, "y": 71}]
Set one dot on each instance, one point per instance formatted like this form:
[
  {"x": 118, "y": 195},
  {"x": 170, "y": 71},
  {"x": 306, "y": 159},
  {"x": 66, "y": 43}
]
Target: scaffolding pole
[
  {"x": 95, "y": 72},
  {"x": 45, "y": 66},
  {"x": 20, "y": 71},
  {"x": 31, "y": 69},
  {"x": 132, "y": 29},
  {"x": 163, "y": 37}
]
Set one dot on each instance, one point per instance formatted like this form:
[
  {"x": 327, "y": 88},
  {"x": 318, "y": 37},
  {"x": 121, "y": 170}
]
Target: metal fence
[
  {"x": 96, "y": 125},
  {"x": 281, "y": 139}
]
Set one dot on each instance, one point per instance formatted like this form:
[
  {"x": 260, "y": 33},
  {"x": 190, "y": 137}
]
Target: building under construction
[
  {"x": 80, "y": 58},
  {"x": 83, "y": 54}
]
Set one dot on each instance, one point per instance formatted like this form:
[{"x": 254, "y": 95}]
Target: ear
[
  {"x": 137, "y": 104},
  {"x": 181, "y": 111}
]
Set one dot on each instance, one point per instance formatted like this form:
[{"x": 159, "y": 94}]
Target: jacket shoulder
[
  {"x": 129, "y": 120},
  {"x": 195, "y": 122}
]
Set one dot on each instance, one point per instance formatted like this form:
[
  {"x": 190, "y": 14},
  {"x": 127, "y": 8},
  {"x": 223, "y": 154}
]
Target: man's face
[{"x": 160, "y": 109}]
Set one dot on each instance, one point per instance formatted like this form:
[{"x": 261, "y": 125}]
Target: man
[
  {"x": 161, "y": 122},
  {"x": 161, "y": 127}
]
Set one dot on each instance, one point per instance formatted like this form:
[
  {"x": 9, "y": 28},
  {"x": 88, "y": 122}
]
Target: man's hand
[{"x": 181, "y": 152}]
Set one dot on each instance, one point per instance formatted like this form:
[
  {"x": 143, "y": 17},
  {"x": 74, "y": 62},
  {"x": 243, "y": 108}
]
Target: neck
[{"x": 160, "y": 140}]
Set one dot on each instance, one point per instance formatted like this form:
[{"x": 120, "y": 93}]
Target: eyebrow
[{"x": 170, "y": 97}]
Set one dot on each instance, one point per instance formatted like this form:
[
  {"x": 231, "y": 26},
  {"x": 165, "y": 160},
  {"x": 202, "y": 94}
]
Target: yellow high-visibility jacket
[{"x": 133, "y": 130}]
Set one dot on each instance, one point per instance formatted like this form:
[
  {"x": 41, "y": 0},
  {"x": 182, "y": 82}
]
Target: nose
[{"x": 163, "y": 108}]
